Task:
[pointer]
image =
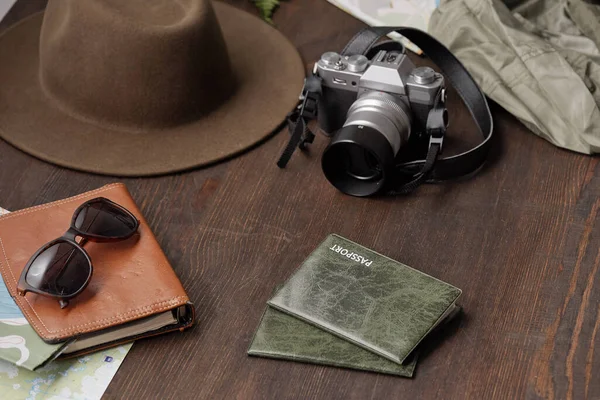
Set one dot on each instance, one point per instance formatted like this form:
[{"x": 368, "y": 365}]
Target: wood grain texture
[{"x": 521, "y": 239}]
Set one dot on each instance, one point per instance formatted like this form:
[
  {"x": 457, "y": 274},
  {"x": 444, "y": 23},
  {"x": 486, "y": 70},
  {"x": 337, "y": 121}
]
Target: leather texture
[
  {"x": 131, "y": 279},
  {"x": 383, "y": 306},
  {"x": 282, "y": 336}
]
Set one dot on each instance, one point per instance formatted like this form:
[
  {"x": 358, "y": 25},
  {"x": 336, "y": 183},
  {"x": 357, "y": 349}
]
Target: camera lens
[
  {"x": 360, "y": 164},
  {"x": 361, "y": 155},
  {"x": 358, "y": 160}
]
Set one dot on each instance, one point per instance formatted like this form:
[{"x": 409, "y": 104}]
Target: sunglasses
[{"x": 62, "y": 268}]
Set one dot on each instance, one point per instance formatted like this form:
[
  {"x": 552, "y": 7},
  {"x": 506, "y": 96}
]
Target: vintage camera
[
  {"x": 387, "y": 118},
  {"x": 373, "y": 107}
]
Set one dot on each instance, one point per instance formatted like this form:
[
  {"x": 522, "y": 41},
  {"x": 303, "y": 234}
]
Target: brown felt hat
[{"x": 143, "y": 87}]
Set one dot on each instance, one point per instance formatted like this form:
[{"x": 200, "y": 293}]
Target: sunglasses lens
[
  {"x": 105, "y": 219},
  {"x": 62, "y": 269}
]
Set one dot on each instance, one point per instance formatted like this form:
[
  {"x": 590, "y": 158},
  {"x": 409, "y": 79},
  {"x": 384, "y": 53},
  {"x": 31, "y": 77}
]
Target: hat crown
[{"x": 139, "y": 64}]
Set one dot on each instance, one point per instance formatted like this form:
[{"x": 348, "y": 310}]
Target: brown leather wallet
[{"x": 133, "y": 292}]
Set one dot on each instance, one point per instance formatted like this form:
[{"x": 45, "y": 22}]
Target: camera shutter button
[{"x": 357, "y": 63}]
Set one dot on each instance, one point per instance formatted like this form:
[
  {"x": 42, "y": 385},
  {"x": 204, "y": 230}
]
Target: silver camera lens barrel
[
  {"x": 387, "y": 114},
  {"x": 359, "y": 160}
]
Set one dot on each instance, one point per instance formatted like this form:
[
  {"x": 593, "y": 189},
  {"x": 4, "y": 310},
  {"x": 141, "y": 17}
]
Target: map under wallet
[
  {"x": 133, "y": 291},
  {"x": 349, "y": 306},
  {"x": 19, "y": 344}
]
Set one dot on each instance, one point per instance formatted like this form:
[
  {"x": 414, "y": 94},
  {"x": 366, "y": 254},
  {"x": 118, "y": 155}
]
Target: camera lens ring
[{"x": 390, "y": 115}]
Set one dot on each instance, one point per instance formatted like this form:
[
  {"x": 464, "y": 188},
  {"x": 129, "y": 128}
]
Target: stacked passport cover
[{"x": 348, "y": 306}]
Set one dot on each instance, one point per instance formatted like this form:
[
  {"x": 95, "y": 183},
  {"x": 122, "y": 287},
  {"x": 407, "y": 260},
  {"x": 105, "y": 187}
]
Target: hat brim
[{"x": 268, "y": 69}]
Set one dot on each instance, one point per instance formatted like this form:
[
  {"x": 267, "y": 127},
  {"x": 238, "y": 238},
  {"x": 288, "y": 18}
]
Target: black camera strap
[
  {"x": 433, "y": 168},
  {"x": 460, "y": 164},
  {"x": 436, "y": 130},
  {"x": 298, "y": 119}
]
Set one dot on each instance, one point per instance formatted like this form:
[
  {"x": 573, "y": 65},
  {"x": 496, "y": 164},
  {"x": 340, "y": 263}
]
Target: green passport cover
[
  {"x": 282, "y": 336},
  {"x": 366, "y": 298}
]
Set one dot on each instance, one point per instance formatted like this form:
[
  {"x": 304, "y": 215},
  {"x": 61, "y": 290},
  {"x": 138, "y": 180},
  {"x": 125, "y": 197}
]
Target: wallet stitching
[
  {"x": 58, "y": 202},
  {"x": 95, "y": 324}
]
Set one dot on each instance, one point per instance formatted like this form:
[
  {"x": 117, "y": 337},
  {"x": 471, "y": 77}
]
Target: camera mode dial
[{"x": 424, "y": 75}]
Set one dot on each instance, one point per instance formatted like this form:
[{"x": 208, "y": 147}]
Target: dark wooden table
[{"x": 521, "y": 239}]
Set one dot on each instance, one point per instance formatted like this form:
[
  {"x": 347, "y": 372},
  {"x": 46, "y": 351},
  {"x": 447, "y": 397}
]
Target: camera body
[
  {"x": 372, "y": 107},
  {"x": 387, "y": 119},
  {"x": 346, "y": 79}
]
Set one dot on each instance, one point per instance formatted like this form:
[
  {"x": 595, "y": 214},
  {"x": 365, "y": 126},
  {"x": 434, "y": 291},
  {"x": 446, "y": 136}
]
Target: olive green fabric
[
  {"x": 539, "y": 59},
  {"x": 366, "y": 298},
  {"x": 284, "y": 337}
]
